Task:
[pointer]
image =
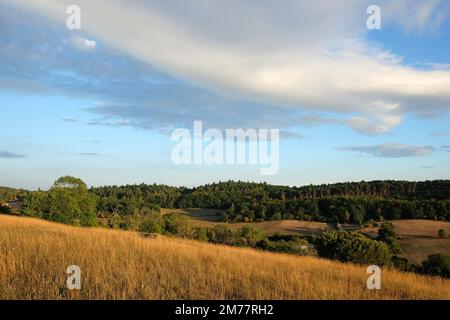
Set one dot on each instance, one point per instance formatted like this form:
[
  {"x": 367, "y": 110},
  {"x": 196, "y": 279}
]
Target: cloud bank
[{"x": 308, "y": 56}]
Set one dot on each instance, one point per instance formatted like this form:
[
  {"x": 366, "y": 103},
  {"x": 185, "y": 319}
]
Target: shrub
[
  {"x": 352, "y": 247},
  {"x": 441, "y": 233},
  {"x": 176, "y": 224},
  {"x": 437, "y": 265},
  {"x": 248, "y": 236},
  {"x": 4, "y": 208},
  {"x": 152, "y": 223}
]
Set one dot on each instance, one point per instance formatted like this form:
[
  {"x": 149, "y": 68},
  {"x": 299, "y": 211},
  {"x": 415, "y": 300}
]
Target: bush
[
  {"x": 222, "y": 234},
  {"x": 441, "y": 233},
  {"x": 402, "y": 264},
  {"x": 437, "y": 265},
  {"x": 352, "y": 247},
  {"x": 4, "y": 208},
  {"x": 201, "y": 234},
  {"x": 152, "y": 223},
  {"x": 176, "y": 224},
  {"x": 248, "y": 236},
  {"x": 386, "y": 231}
]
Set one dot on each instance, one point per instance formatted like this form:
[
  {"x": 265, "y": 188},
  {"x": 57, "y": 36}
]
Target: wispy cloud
[
  {"x": 69, "y": 120},
  {"x": 438, "y": 134},
  {"x": 90, "y": 154},
  {"x": 268, "y": 57},
  {"x": 11, "y": 155},
  {"x": 390, "y": 150}
]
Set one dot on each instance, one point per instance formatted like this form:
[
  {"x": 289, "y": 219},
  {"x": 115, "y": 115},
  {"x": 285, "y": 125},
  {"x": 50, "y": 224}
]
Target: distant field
[
  {"x": 420, "y": 228},
  {"x": 35, "y": 254},
  {"x": 418, "y": 238},
  {"x": 418, "y": 249},
  {"x": 208, "y": 218}
]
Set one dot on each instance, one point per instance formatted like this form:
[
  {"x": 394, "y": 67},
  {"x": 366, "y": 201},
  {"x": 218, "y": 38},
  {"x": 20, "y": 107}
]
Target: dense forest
[{"x": 354, "y": 202}]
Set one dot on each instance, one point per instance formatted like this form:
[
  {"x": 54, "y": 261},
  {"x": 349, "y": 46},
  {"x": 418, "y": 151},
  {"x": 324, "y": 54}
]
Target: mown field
[
  {"x": 417, "y": 238},
  {"x": 34, "y": 255},
  {"x": 208, "y": 218}
]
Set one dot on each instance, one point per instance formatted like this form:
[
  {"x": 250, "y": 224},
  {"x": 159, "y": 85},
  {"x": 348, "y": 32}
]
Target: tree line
[{"x": 244, "y": 201}]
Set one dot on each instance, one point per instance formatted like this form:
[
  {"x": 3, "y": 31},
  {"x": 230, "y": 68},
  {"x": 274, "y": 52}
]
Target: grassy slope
[{"x": 34, "y": 255}]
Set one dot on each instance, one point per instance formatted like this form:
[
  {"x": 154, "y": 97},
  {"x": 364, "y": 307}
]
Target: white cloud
[
  {"x": 84, "y": 43},
  {"x": 391, "y": 150},
  {"x": 310, "y": 55}
]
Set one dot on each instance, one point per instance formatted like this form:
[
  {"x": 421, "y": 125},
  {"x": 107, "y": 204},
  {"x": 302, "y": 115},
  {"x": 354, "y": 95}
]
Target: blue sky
[{"x": 351, "y": 104}]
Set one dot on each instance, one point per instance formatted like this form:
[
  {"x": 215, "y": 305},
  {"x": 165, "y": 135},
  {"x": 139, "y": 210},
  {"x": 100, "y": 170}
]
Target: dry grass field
[
  {"x": 420, "y": 228},
  {"x": 419, "y": 238},
  {"x": 34, "y": 255},
  {"x": 208, "y": 218}
]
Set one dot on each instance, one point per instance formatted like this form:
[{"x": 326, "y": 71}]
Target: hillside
[{"x": 34, "y": 255}]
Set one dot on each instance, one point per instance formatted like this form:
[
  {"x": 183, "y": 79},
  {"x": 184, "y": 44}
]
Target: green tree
[{"x": 176, "y": 224}]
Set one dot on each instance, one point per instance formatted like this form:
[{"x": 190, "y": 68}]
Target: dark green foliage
[
  {"x": 437, "y": 265},
  {"x": 386, "y": 231},
  {"x": 402, "y": 264},
  {"x": 386, "y": 234},
  {"x": 352, "y": 247},
  {"x": 68, "y": 201},
  {"x": 176, "y": 224},
  {"x": 152, "y": 223},
  {"x": 250, "y": 237},
  {"x": 5, "y": 209},
  {"x": 342, "y": 202},
  {"x": 441, "y": 233},
  {"x": 223, "y": 234},
  {"x": 201, "y": 234},
  {"x": 10, "y": 194}
]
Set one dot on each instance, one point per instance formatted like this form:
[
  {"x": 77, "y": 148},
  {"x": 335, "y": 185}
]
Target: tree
[
  {"x": 441, "y": 233},
  {"x": 68, "y": 182},
  {"x": 68, "y": 201}
]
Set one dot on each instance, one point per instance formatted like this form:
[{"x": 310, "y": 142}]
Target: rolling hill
[{"x": 35, "y": 254}]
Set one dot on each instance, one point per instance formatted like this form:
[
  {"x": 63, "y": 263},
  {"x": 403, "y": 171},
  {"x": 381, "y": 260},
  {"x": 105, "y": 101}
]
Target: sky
[{"x": 101, "y": 103}]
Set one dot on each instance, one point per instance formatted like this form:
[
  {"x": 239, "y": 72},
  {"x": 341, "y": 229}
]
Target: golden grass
[{"x": 34, "y": 255}]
